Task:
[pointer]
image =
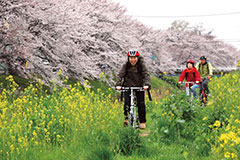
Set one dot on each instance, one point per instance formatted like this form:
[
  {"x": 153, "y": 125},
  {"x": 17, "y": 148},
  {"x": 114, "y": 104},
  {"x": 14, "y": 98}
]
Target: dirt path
[{"x": 145, "y": 133}]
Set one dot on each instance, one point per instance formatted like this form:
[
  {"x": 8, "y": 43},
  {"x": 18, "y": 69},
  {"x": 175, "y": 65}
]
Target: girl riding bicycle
[
  {"x": 134, "y": 73},
  {"x": 191, "y": 75}
]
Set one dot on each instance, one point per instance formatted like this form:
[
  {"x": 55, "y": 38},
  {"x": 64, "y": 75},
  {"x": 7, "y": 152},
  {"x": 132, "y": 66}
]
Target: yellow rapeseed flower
[
  {"x": 205, "y": 118},
  {"x": 217, "y": 124},
  {"x": 59, "y": 72},
  {"x": 227, "y": 155}
]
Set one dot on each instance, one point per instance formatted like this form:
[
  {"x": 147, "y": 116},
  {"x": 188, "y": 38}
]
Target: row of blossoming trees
[{"x": 86, "y": 37}]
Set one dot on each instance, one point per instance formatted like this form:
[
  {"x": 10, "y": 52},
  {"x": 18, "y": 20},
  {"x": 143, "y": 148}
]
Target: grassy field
[{"x": 77, "y": 122}]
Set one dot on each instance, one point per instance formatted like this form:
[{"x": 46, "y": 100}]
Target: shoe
[
  {"x": 142, "y": 126},
  {"x": 125, "y": 123}
]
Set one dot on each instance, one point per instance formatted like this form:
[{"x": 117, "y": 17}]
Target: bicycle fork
[{"x": 133, "y": 114}]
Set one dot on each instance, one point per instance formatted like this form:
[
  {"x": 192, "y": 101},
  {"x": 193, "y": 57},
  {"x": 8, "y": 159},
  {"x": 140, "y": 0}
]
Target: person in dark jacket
[
  {"x": 134, "y": 73},
  {"x": 191, "y": 75}
]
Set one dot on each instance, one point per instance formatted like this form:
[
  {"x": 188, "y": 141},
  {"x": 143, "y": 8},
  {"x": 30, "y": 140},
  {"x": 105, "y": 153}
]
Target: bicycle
[
  {"x": 203, "y": 95},
  {"x": 190, "y": 84},
  {"x": 133, "y": 118}
]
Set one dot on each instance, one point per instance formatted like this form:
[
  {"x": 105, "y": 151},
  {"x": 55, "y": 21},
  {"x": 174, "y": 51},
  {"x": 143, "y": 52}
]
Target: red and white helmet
[{"x": 133, "y": 54}]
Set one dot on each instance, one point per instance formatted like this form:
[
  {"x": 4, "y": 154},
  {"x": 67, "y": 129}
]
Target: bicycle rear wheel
[{"x": 204, "y": 98}]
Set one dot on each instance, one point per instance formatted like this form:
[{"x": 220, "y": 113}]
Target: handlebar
[
  {"x": 132, "y": 88},
  {"x": 188, "y": 82},
  {"x": 123, "y": 89}
]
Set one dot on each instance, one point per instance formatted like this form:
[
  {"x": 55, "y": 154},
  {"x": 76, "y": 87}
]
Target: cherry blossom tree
[{"x": 84, "y": 38}]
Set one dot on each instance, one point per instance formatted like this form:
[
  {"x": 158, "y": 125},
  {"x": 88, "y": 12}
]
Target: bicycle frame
[
  {"x": 203, "y": 94},
  {"x": 190, "y": 90},
  {"x": 132, "y": 117}
]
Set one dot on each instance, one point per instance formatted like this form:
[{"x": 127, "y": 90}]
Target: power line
[
  {"x": 215, "y": 41},
  {"x": 189, "y": 16},
  {"x": 202, "y": 42}
]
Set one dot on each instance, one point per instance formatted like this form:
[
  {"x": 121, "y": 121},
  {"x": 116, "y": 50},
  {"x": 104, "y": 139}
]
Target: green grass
[
  {"x": 188, "y": 140},
  {"x": 160, "y": 84},
  {"x": 22, "y": 82}
]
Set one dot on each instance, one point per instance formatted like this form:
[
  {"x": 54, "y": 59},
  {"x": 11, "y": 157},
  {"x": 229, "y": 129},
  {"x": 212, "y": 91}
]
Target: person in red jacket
[{"x": 191, "y": 75}]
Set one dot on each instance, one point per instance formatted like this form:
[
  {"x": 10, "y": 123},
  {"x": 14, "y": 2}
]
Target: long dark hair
[
  {"x": 191, "y": 63},
  {"x": 138, "y": 65}
]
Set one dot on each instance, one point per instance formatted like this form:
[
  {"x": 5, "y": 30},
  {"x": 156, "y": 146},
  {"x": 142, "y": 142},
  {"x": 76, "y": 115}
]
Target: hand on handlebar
[
  {"x": 118, "y": 88},
  {"x": 145, "y": 87}
]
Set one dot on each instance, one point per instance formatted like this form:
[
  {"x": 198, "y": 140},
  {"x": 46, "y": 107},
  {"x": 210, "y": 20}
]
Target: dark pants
[
  {"x": 140, "y": 95},
  {"x": 204, "y": 86}
]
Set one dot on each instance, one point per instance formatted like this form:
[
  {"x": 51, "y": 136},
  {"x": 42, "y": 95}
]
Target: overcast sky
[{"x": 224, "y": 26}]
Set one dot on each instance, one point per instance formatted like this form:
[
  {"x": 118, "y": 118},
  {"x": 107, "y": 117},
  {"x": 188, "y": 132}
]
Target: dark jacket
[{"x": 136, "y": 76}]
